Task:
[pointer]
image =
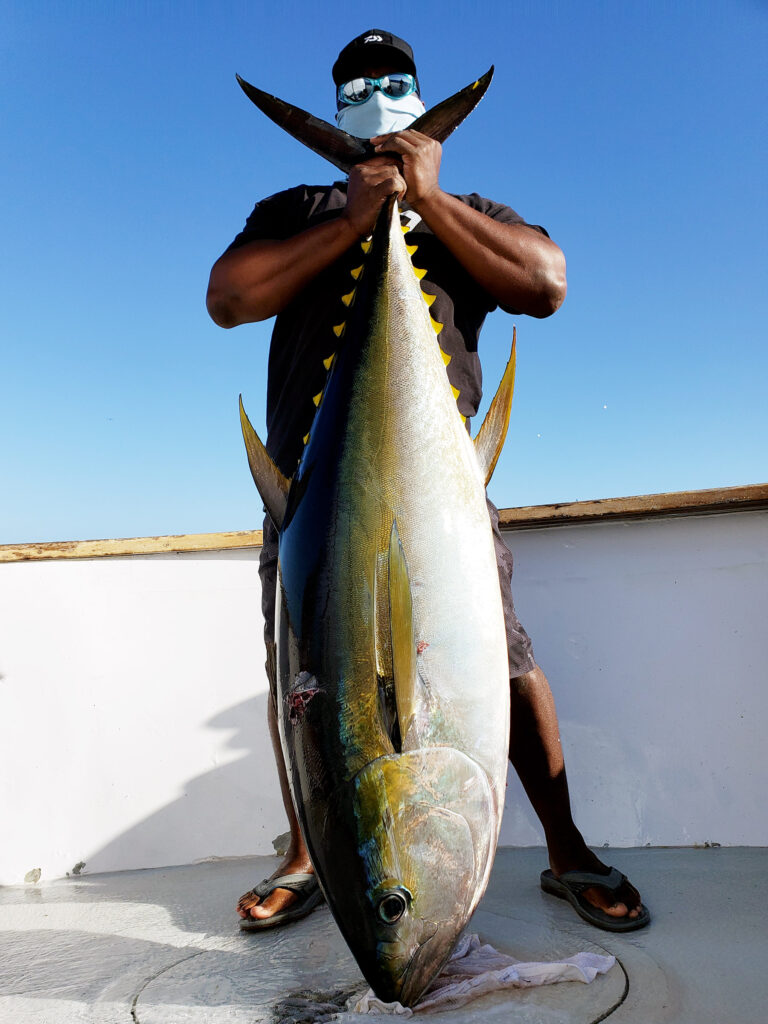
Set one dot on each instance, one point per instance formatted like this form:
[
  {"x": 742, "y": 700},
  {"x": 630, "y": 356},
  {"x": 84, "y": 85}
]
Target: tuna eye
[{"x": 392, "y": 907}]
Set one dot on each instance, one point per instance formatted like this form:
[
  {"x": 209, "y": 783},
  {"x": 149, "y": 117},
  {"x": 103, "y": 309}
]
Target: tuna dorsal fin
[
  {"x": 272, "y": 485},
  {"x": 490, "y": 439},
  {"x": 404, "y": 667},
  {"x": 344, "y": 150}
]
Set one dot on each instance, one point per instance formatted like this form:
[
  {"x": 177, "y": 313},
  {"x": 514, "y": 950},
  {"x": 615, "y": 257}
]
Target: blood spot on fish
[
  {"x": 421, "y": 646},
  {"x": 304, "y": 690}
]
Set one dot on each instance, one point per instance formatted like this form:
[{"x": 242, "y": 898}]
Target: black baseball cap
[{"x": 373, "y": 46}]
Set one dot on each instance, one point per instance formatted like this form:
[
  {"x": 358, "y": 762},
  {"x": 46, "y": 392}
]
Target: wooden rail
[{"x": 643, "y": 506}]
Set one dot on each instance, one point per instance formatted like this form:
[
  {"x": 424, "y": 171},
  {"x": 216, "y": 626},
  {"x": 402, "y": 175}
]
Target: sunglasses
[{"x": 358, "y": 90}]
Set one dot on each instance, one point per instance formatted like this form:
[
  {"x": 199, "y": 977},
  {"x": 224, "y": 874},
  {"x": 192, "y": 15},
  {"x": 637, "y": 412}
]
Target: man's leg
[
  {"x": 296, "y": 859},
  {"x": 536, "y": 754}
]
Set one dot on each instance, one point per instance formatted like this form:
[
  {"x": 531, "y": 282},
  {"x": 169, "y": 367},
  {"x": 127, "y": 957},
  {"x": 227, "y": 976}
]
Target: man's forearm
[
  {"x": 261, "y": 278},
  {"x": 520, "y": 267}
]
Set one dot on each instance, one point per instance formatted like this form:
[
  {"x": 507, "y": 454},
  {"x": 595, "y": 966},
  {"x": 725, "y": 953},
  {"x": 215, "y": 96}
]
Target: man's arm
[
  {"x": 261, "y": 278},
  {"x": 519, "y": 266}
]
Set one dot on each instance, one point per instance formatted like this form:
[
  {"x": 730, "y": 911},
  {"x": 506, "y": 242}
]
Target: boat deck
[{"x": 162, "y": 946}]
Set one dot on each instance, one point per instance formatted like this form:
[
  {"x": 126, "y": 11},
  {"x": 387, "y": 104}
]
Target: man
[{"x": 293, "y": 260}]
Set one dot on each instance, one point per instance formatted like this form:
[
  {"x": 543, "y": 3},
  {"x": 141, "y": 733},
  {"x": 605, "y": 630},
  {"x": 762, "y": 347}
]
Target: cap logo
[{"x": 373, "y": 39}]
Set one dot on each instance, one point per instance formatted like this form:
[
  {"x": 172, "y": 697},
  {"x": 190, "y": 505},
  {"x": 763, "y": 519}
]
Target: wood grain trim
[
  {"x": 131, "y": 546},
  {"x": 530, "y": 517},
  {"x": 640, "y": 506}
]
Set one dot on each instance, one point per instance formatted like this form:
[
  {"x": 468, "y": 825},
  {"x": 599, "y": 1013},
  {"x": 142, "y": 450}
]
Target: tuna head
[{"x": 424, "y": 849}]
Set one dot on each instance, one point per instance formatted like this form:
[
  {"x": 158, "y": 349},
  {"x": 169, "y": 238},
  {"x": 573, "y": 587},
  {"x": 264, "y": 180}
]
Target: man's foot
[
  {"x": 618, "y": 899},
  {"x": 250, "y": 905}
]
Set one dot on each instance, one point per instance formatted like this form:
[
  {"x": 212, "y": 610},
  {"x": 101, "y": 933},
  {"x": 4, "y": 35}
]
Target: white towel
[{"x": 476, "y": 969}]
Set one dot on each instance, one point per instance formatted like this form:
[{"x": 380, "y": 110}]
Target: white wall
[
  {"x": 654, "y": 635},
  {"x": 133, "y": 697}
]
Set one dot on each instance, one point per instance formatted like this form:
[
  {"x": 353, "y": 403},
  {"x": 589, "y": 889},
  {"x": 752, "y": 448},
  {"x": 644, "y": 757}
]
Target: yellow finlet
[
  {"x": 338, "y": 330},
  {"x": 456, "y": 391},
  {"x": 357, "y": 271},
  {"x": 476, "y": 84},
  {"x": 327, "y": 362},
  {"x": 436, "y": 327},
  {"x": 446, "y": 357},
  {"x": 419, "y": 273},
  {"x": 429, "y": 299},
  {"x": 405, "y": 228},
  {"x": 365, "y": 246},
  {"x": 306, "y": 438},
  {"x": 316, "y": 398},
  {"x": 411, "y": 249},
  {"x": 347, "y": 299},
  {"x": 463, "y": 417}
]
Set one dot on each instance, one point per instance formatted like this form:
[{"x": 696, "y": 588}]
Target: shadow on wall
[{"x": 233, "y": 810}]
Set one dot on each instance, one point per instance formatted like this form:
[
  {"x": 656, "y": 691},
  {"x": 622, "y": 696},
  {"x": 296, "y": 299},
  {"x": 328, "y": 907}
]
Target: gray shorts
[{"x": 519, "y": 646}]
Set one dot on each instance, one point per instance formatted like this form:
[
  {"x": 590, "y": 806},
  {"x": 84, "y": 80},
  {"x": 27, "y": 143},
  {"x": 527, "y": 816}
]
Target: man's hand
[
  {"x": 370, "y": 185},
  {"x": 521, "y": 268},
  {"x": 420, "y": 158}
]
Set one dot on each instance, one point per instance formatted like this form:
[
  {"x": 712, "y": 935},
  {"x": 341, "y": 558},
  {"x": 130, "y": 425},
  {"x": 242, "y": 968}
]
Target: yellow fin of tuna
[
  {"x": 411, "y": 249},
  {"x": 327, "y": 362},
  {"x": 347, "y": 299},
  {"x": 366, "y": 245},
  {"x": 338, "y": 330},
  {"x": 419, "y": 273},
  {"x": 456, "y": 391},
  {"x": 490, "y": 439},
  {"x": 404, "y": 667},
  {"x": 272, "y": 485},
  {"x": 429, "y": 299},
  {"x": 446, "y": 357},
  {"x": 357, "y": 271},
  {"x": 316, "y": 398},
  {"x": 436, "y": 327}
]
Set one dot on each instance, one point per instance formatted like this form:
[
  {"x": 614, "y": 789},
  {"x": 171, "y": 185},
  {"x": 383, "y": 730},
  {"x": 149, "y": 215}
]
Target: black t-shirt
[{"x": 303, "y": 338}]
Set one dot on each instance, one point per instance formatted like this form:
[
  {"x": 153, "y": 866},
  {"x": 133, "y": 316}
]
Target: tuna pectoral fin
[
  {"x": 490, "y": 440},
  {"x": 438, "y": 122},
  {"x": 272, "y": 485},
  {"x": 343, "y": 150},
  {"x": 404, "y": 667}
]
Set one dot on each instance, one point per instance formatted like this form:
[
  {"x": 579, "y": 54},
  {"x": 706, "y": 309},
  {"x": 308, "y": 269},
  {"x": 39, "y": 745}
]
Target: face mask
[{"x": 379, "y": 114}]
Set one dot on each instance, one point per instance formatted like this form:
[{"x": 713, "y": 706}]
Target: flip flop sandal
[
  {"x": 309, "y": 896},
  {"x": 571, "y": 886}
]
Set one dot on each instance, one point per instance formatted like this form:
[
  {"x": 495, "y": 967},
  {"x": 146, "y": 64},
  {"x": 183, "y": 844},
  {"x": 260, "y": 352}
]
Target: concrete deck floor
[{"x": 162, "y": 947}]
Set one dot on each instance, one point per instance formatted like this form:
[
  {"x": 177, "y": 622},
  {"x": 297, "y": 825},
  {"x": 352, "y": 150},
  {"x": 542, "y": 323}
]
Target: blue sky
[{"x": 634, "y": 132}]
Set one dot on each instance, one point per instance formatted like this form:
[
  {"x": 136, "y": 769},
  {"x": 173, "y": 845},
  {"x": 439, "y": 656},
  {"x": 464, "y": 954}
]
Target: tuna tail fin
[
  {"x": 490, "y": 439},
  {"x": 438, "y": 122},
  {"x": 344, "y": 150},
  {"x": 272, "y": 485}
]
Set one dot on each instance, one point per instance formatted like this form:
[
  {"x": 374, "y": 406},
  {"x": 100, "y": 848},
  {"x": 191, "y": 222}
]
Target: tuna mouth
[{"x": 420, "y": 972}]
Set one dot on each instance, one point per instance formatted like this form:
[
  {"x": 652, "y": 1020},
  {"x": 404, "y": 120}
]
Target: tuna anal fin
[
  {"x": 490, "y": 439},
  {"x": 272, "y": 485},
  {"x": 404, "y": 667}
]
